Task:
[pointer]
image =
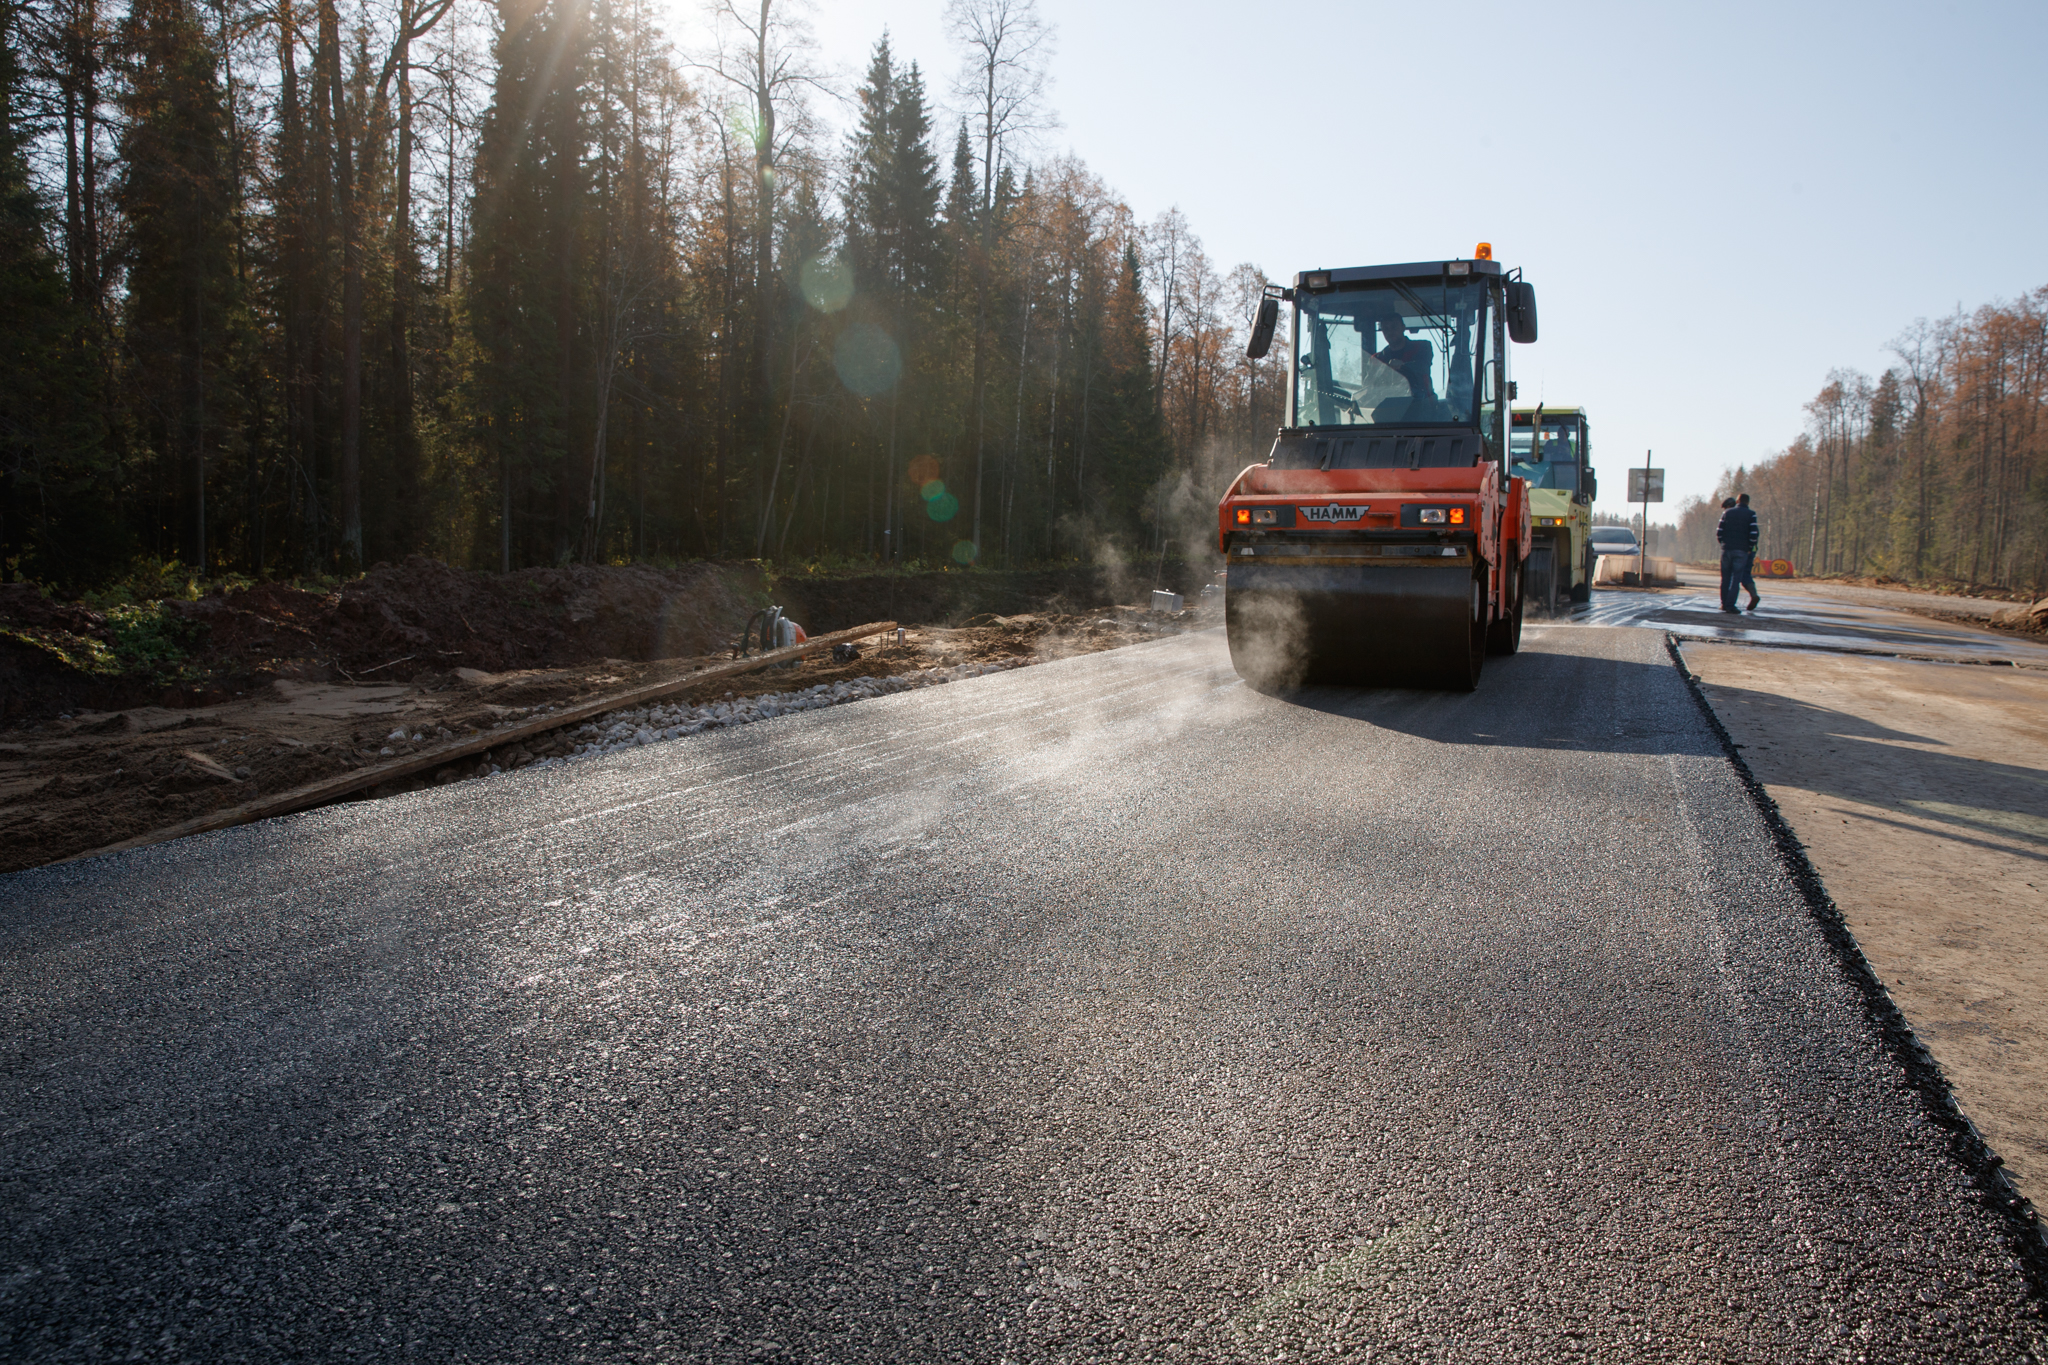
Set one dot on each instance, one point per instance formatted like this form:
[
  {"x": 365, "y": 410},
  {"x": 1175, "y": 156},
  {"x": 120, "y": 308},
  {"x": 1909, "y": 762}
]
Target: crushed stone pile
[{"x": 638, "y": 726}]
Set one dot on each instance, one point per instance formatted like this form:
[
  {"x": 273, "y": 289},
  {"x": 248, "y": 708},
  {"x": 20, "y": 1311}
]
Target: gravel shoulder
[
  {"x": 1921, "y": 793},
  {"x": 89, "y": 779}
]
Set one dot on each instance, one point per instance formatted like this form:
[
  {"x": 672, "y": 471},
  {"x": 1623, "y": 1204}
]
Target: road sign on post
[{"x": 1645, "y": 485}]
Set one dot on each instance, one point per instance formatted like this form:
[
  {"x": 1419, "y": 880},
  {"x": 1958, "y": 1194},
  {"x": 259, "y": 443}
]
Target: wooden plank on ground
[{"x": 329, "y": 789}]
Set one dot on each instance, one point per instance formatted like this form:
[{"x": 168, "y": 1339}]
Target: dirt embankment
[
  {"x": 2031, "y": 619},
  {"x": 393, "y": 624},
  {"x": 839, "y": 602},
  {"x": 261, "y": 691}
]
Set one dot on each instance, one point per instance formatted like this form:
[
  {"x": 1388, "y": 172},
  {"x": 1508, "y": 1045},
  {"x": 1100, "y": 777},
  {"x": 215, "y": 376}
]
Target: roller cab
[
  {"x": 1383, "y": 540},
  {"x": 1549, "y": 448}
]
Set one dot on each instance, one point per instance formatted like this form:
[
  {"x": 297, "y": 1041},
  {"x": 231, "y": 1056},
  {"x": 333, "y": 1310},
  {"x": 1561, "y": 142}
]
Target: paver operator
[{"x": 1738, "y": 533}]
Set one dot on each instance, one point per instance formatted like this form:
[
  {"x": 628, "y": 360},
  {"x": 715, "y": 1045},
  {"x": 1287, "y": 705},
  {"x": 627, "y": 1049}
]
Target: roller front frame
[
  {"x": 1365, "y": 614},
  {"x": 1320, "y": 561}
]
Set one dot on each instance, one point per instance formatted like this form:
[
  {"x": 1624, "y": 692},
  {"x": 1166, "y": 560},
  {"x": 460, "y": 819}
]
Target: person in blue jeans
[{"x": 1738, "y": 533}]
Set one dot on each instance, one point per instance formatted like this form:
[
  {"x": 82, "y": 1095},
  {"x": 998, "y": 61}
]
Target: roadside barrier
[{"x": 1626, "y": 571}]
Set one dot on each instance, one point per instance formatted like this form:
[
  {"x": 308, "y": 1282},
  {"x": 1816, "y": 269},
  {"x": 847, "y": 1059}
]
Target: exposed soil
[
  {"x": 1945, "y": 588},
  {"x": 1921, "y": 793},
  {"x": 2030, "y": 619},
  {"x": 1941, "y": 589},
  {"x": 2023, "y": 621},
  {"x": 395, "y": 623},
  {"x": 96, "y": 777}
]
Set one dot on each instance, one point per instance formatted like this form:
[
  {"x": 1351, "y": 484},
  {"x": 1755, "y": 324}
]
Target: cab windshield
[
  {"x": 1403, "y": 351},
  {"x": 1552, "y": 462}
]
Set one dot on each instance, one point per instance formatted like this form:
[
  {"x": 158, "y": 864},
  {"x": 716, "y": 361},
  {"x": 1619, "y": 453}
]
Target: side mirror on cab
[
  {"x": 1261, "y": 339},
  {"x": 1590, "y": 484},
  {"x": 1521, "y": 312}
]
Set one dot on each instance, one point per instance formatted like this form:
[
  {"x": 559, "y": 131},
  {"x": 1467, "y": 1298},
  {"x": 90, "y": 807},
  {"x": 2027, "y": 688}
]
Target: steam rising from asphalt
[
  {"x": 1179, "y": 513},
  {"x": 1271, "y": 651}
]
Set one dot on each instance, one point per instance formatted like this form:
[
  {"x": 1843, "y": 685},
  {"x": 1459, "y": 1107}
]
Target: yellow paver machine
[{"x": 1548, "y": 447}]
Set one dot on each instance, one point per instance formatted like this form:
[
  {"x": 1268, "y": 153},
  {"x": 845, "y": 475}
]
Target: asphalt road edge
[
  {"x": 1862, "y": 652},
  {"x": 2022, "y": 1223}
]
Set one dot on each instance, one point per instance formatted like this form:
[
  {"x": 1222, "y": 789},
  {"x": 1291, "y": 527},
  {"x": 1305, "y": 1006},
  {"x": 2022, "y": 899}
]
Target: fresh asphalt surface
[{"x": 1105, "y": 1009}]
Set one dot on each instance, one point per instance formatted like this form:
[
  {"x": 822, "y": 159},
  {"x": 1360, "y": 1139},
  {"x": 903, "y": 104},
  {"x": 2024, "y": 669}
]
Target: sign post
[{"x": 1645, "y": 485}]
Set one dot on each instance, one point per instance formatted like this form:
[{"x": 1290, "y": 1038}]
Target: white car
[{"x": 1613, "y": 540}]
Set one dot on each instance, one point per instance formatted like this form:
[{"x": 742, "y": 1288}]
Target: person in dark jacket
[
  {"x": 1738, "y": 533},
  {"x": 1410, "y": 357}
]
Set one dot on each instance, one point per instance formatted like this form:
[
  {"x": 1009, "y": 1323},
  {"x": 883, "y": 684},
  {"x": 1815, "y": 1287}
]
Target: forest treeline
[
  {"x": 292, "y": 287},
  {"x": 1936, "y": 471}
]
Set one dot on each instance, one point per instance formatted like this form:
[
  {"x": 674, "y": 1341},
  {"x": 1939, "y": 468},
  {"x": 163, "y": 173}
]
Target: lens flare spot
[
  {"x": 827, "y": 284},
  {"x": 942, "y": 508},
  {"x": 933, "y": 488},
  {"x": 965, "y": 552},
  {"x": 924, "y": 469},
  {"x": 867, "y": 360}
]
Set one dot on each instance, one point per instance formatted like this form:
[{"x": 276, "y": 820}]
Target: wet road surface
[
  {"x": 1102, "y": 1009},
  {"x": 1836, "y": 617}
]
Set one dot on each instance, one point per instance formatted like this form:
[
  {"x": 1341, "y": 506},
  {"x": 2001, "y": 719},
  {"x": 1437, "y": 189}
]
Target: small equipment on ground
[
  {"x": 1383, "y": 540},
  {"x": 767, "y": 629},
  {"x": 1548, "y": 448}
]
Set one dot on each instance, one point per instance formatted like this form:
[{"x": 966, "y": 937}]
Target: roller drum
[{"x": 1366, "y": 625}]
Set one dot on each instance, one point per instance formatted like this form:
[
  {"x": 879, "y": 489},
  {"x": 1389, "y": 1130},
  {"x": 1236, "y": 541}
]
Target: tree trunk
[
  {"x": 80, "y": 83},
  {"x": 404, "y": 284},
  {"x": 292, "y": 214},
  {"x": 764, "y": 235},
  {"x": 196, "y": 396},
  {"x": 349, "y": 468}
]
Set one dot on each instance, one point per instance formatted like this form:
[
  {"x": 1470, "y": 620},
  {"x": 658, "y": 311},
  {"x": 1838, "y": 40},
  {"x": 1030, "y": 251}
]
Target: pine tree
[
  {"x": 55, "y": 516},
  {"x": 963, "y": 198},
  {"x": 914, "y": 186},
  {"x": 892, "y": 202},
  {"x": 1134, "y": 449},
  {"x": 868, "y": 211},
  {"x": 892, "y": 196},
  {"x": 183, "y": 301},
  {"x": 529, "y": 278}
]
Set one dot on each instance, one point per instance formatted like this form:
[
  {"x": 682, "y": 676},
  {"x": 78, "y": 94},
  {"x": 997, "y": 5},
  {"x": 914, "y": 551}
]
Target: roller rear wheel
[
  {"x": 1467, "y": 678},
  {"x": 1505, "y": 635},
  {"x": 1541, "y": 581}
]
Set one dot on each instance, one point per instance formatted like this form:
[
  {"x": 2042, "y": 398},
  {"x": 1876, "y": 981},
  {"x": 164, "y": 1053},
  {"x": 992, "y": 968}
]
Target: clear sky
[{"x": 1717, "y": 203}]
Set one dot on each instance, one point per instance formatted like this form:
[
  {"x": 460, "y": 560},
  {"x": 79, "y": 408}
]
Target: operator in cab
[{"x": 1409, "y": 357}]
